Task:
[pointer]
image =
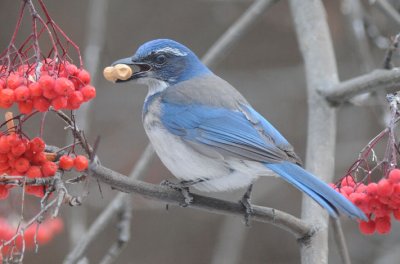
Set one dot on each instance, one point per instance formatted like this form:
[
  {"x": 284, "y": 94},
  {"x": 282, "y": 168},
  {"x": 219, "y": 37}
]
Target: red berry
[
  {"x": 49, "y": 93},
  {"x": 383, "y": 225},
  {"x": 49, "y": 168},
  {"x": 3, "y": 158},
  {"x": 81, "y": 163},
  {"x": 88, "y": 92},
  {"x": 385, "y": 187},
  {"x": 59, "y": 102},
  {"x": 14, "y": 80},
  {"x": 46, "y": 82},
  {"x": 63, "y": 86},
  {"x": 13, "y": 140},
  {"x": 71, "y": 69},
  {"x": 346, "y": 190},
  {"x": 367, "y": 228},
  {"x": 348, "y": 181},
  {"x": 25, "y": 107},
  {"x": 75, "y": 100},
  {"x": 372, "y": 189},
  {"x": 56, "y": 225},
  {"x": 22, "y": 93},
  {"x": 34, "y": 172},
  {"x": 7, "y": 98},
  {"x": 66, "y": 162},
  {"x": 41, "y": 104},
  {"x": 35, "y": 89},
  {"x": 18, "y": 150},
  {"x": 22, "y": 165},
  {"x": 44, "y": 234},
  {"x": 359, "y": 199},
  {"x": 84, "y": 76},
  {"x": 39, "y": 158},
  {"x": 4, "y": 145},
  {"x": 37, "y": 145},
  {"x": 394, "y": 175},
  {"x": 37, "y": 191},
  {"x": 2, "y": 83}
]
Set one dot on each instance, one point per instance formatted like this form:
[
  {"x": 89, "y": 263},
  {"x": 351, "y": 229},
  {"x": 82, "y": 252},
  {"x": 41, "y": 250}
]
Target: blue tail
[{"x": 322, "y": 193}]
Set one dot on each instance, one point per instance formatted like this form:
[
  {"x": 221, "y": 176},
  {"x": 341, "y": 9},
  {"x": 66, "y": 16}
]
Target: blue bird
[{"x": 209, "y": 136}]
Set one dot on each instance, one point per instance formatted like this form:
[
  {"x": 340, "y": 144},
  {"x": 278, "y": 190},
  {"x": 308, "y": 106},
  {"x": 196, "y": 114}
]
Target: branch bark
[
  {"x": 386, "y": 80},
  {"x": 297, "y": 227},
  {"x": 321, "y": 74}
]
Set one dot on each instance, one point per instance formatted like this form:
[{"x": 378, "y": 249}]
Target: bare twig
[
  {"x": 321, "y": 74},
  {"x": 261, "y": 214},
  {"x": 340, "y": 241},
  {"x": 354, "y": 13},
  {"x": 387, "y": 62},
  {"x": 386, "y": 80},
  {"x": 96, "y": 36},
  {"x": 95, "y": 229},
  {"x": 77, "y": 133},
  {"x": 224, "y": 44},
  {"x": 389, "y": 10},
  {"x": 124, "y": 226}
]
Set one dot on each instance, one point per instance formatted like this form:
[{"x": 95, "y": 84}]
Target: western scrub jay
[{"x": 209, "y": 136}]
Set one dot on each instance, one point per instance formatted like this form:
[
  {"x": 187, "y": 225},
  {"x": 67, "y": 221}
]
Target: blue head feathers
[{"x": 165, "y": 60}]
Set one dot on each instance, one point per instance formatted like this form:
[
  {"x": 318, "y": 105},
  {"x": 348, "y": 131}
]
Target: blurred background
[{"x": 266, "y": 67}]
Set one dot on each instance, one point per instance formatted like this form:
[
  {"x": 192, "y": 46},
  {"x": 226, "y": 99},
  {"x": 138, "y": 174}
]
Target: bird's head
[{"x": 164, "y": 60}]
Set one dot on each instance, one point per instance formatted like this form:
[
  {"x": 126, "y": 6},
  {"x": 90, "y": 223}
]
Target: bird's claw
[
  {"x": 184, "y": 190},
  {"x": 245, "y": 202},
  {"x": 248, "y": 210}
]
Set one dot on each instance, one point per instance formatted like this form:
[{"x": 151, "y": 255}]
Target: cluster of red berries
[
  {"x": 20, "y": 156},
  {"x": 60, "y": 85},
  {"x": 377, "y": 200},
  {"x": 45, "y": 233}
]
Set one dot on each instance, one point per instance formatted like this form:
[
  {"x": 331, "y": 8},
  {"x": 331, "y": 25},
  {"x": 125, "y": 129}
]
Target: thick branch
[
  {"x": 387, "y": 80},
  {"x": 261, "y": 214},
  {"x": 321, "y": 73}
]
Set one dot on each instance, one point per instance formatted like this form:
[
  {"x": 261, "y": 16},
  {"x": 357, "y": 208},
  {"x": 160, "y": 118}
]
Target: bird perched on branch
[{"x": 209, "y": 136}]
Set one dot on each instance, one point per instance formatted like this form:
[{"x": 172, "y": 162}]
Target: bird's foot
[
  {"x": 245, "y": 201},
  {"x": 183, "y": 189}
]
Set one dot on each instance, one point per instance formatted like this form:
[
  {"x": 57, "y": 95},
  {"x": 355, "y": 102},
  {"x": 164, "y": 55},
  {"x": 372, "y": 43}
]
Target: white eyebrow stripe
[{"x": 174, "y": 51}]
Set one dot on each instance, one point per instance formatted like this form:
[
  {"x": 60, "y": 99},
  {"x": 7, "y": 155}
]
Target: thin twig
[
  {"x": 220, "y": 49},
  {"x": 389, "y": 10},
  {"x": 340, "y": 241},
  {"x": 124, "y": 232},
  {"x": 95, "y": 229}
]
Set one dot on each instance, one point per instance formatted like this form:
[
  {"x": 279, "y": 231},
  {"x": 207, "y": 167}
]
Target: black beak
[{"x": 140, "y": 70}]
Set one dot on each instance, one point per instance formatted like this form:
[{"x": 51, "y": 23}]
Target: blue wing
[{"x": 226, "y": 131}]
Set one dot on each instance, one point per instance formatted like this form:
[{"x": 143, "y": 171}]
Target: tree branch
[
  {"x": 321, "y": 74},
  {"x": 235, "y": 32},
  {"x": 297, "y": 227},
  {"x": 387, "y": 80},
  {"x": 340, "y": 241},
  {"x": 388, "y": 9}
]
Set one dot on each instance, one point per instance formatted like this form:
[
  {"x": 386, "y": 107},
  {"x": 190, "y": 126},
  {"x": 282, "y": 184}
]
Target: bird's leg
[{"x": 245, "y": 201}]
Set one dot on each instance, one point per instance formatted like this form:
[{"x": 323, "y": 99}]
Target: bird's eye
[{"x": 160, "y": 59}]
